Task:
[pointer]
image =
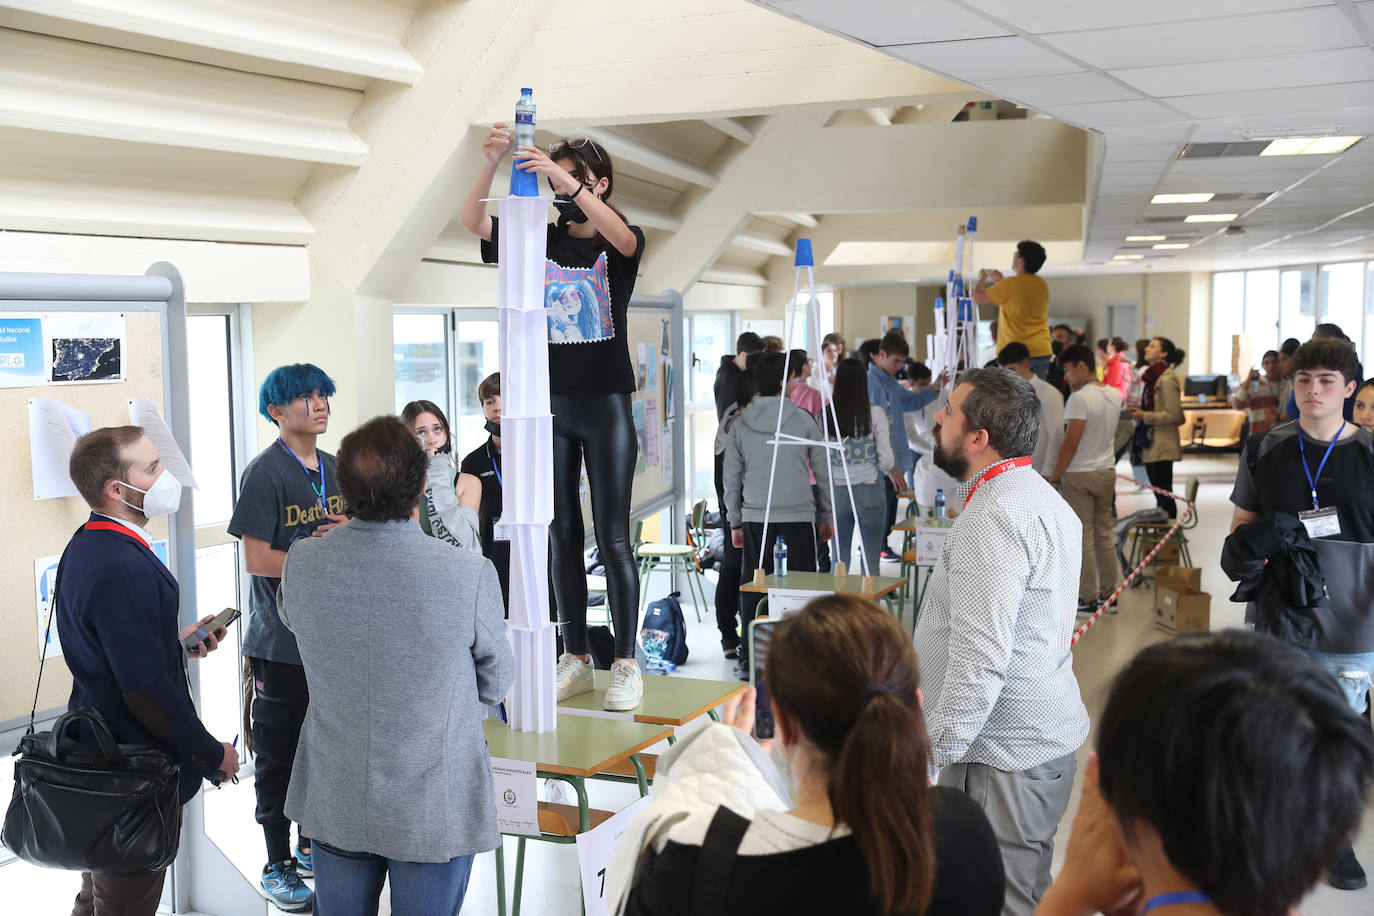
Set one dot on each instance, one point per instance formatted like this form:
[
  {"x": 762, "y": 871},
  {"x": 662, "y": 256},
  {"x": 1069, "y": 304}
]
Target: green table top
[
  {"x": 828, "y": 582},
  {"x": 581, "y": 746},
  {"x": 667, "y": 700},
  {"x": 916, "y": 524}
]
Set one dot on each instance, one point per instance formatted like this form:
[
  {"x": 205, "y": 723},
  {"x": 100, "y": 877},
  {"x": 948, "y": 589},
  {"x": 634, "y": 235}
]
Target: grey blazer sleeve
[
  {"x": 491, "y": 653},
  {"x": 450, "y": 522}
]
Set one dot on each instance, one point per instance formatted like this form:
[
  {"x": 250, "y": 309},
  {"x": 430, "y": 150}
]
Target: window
[
  {"x": 1342, "y": 299},
  {"x": 420, "y": 344},
  {"x": 212, "y": 426},
  {"x": 711, "y": 339},
  {"x": 1228, "y": 316},
  {"x": 1297, "y": 313},
  {"x": 477, "y": 348}
]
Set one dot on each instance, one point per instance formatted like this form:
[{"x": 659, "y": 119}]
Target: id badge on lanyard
[{"x": 1320, "y": 521}]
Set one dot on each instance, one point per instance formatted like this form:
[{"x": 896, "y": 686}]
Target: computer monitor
[{"x": 1214, "y": 386}]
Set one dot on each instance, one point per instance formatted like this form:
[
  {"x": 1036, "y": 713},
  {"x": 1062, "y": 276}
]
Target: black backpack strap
[
  {"x": 717, "y": 859},
  {"x": 47, "y": 632}
]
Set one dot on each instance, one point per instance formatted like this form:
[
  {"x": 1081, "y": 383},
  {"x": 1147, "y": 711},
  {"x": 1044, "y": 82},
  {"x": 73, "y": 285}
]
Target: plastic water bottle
[
  {"x": 780, "y": 557},
  {"x": 523, "y": 183},
  {"x": 940, "y": 505}
]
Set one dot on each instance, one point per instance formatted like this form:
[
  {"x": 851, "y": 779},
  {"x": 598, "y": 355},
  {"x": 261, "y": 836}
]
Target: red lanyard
[
  {"x": 1000, "y": 467},
  {"x": 115, "y": 526}
]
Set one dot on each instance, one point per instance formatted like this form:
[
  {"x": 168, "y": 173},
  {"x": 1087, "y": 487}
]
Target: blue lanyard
[
  {"x": 318, "y": 491},
  {"x": 1303, "y": 453},
  {"x": 1176, "y": 897},
  {"x": 495, "y": 467}
]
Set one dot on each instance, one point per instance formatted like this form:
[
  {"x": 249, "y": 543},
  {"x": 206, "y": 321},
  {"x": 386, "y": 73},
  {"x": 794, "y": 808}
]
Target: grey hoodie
[{"x": 749, "y": 458}]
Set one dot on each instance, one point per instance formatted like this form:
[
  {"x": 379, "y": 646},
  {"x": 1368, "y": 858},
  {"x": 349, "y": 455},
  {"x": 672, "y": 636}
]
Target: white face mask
[{"x": 162, "y": 498}]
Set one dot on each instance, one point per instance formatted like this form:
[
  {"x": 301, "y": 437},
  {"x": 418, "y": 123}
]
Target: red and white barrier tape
[{"x": 1125, "y": 583}]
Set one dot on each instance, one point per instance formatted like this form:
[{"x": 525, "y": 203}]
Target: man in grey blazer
[{"x": 403, "y": 639}]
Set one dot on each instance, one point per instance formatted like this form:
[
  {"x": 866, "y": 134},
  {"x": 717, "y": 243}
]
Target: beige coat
[{"x": 1166, "y": 418}]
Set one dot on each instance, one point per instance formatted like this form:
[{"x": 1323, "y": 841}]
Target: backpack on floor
[{"x": 663, "y": 635}]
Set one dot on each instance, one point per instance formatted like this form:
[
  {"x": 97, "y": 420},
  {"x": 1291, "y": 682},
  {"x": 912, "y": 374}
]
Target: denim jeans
[
  {"x": 1040, "y": 365},
  {"x": 870, "y": 501},
  {"x": 350, "y": 884},
  {"x": 1353, "y": 671}
]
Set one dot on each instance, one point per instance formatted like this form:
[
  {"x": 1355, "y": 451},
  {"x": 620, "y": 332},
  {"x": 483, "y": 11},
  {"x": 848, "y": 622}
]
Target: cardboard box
[
  {"x": 1190, "y": 576},
  {"x": 1168, "y": 555},
  {"x": 1182, "y": 609}
]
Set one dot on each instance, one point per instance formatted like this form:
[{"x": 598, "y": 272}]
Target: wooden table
[
  {"x": 580, "y": 747},
  {"x": 667, "y": 700},
  {"x": 828, "y": 582}
]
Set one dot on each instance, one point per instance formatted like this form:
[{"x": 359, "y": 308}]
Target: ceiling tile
[
  {"x": 1302, "y": 100},
  {"x": 1062, "y": 89},
  {"x": 1074, "y": 15},
  {"x": 1106, "y": 114},
  {"x": 986, "y": 59},
  {"x": 1342, "y": 65},
  {"x": 882, "y": 23},
  {"x": 1122, "y": 152},
  {"x": 1145, "y": 133},
  {"x": 1233, "y": 37},
  {"x": 1366, "y": 10}
]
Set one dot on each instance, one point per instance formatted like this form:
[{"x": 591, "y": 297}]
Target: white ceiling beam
[
  {"x": 732, "y": 128},
  {"x": 878, "y": 116},
  {"x": 618, "y": 143},
  {"x": 68, "y": 87},
  {"x": 648, "y": 216},
  {"x": 801, "y": 219},
  {"x": 733, "y": 276},
  {"x": 235, "y": 29},
  {"x": 755, "y": 242},
  {"x": 146, "y": 212}
]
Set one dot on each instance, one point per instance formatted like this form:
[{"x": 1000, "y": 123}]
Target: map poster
[
  {"x": 21, "y": 351},
  {"x": 84, "y": 347}
]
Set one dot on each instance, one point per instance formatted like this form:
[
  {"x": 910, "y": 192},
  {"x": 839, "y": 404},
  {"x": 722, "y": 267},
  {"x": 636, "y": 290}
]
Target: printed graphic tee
[
  {"x": 278, "y": 503},
  {"x": 587, "y": 289}
]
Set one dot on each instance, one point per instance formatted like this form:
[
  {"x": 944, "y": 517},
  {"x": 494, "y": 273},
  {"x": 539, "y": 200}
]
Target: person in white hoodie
[
  {"x": 800, "y": 514},
  {"x": 860, "y": 832}
]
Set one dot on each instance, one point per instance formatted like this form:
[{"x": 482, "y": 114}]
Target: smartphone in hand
[
  {"x": 221, "y": 620},
  {"x": 760, "y": 636}
]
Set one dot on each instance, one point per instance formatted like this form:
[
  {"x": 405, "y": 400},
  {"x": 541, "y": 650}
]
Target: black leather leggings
[{"x": 597, "y": 429}]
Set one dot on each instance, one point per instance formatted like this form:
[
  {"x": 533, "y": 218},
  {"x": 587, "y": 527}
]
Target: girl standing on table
[{"x": 593, "y": 382}]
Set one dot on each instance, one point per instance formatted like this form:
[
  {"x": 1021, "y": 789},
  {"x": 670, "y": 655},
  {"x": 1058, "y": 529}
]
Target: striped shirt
[{"x": 993, "y": 635}]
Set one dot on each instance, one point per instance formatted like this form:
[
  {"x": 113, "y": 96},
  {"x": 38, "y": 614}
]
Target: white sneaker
[
  {"x": 627, "y": 685},
  {"x": 573, "y": 676}
]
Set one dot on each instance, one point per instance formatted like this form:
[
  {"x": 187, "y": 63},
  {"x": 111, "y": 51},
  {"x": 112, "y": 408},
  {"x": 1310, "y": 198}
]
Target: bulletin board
[
  {"x": 37, "y": 528},
  {"x": 657, "y": 400}
]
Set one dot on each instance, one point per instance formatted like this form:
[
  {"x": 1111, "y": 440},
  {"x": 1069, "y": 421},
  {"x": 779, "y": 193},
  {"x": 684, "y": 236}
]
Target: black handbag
[{"x": 100, "y": 807}]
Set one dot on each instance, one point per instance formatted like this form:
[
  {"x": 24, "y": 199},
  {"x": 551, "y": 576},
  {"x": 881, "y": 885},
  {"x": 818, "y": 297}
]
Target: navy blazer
[{"x": 116, "y": 610}]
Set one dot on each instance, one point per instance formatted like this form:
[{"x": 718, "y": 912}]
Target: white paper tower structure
[
  {"x": 956, "y": 317},
  {"x": 805, "y": 263},
  {"x": 527, "y": 459}
]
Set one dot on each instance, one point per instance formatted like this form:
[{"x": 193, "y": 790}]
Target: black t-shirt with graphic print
[
  {"x": 588, "y": 298},
  {"x": 278, "y": 504}
]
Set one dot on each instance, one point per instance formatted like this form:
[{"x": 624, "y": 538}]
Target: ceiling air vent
[{"x": 1223, "y": 150}]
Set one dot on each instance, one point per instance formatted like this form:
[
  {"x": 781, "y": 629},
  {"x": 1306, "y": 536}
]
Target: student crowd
[{"x": 1230, "y": 772}]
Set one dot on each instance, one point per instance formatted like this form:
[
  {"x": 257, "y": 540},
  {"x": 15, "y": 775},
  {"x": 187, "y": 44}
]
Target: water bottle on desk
[
  {"x": 940, "y": 506},
  {"x": 523, "y": 183},
  {"x": 780, "y": 557}
]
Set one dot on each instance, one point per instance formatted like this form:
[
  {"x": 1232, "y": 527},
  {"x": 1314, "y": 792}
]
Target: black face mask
[
  {"x": 493, "y": 427},
  {"x": 568, "y": 209}
]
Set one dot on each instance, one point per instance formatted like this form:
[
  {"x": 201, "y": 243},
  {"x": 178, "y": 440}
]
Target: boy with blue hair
[{"x": 287, "y": 493}]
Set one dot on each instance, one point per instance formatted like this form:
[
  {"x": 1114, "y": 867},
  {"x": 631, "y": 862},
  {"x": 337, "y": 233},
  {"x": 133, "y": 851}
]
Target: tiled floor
[{"x": 552, "y": 886}]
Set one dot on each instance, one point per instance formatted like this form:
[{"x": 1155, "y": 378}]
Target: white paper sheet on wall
[
  {"x": 54, "y": 428},
  {"x": 144, "y": 413}
]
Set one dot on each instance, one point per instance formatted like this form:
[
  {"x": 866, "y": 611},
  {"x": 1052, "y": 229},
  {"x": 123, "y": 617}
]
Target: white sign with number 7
[{"x": 594, "y": 850}]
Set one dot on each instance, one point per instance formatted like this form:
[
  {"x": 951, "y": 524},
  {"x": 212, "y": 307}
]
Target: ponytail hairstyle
[
  {"x": 1173, "y": 356},
  {"x": 590, "y": 163},
  {"x": 850, "y": 399},
  {"x": 843, "y": 673}
]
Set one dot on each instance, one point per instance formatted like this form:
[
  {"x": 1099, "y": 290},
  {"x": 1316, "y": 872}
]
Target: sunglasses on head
[{"x": 581, "y": 144}]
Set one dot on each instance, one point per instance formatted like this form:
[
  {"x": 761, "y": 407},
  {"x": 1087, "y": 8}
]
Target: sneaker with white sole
[
  {"x": 573, "y": 676},
  {"x": 627, "y": 685},
  {"x": 282, "y": 884},
  {"x": 305, "y": 862}
]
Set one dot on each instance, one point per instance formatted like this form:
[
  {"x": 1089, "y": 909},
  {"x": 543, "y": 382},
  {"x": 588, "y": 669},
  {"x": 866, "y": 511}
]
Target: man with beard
[{"x": 1001, "y": 700}]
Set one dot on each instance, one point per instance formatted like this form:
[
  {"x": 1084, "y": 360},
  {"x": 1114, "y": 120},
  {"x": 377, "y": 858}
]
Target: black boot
[{"x": 1345, "y": 873}]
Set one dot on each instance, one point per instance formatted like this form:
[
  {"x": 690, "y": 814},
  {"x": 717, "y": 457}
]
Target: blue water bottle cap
[
  {"x": 804, "y": 256},
  {"x": 951, "y": 276},
  {"x": 526, "y": 91},
  {"x": 973, "y": 224},
  {"x": 939, "y": 303}
]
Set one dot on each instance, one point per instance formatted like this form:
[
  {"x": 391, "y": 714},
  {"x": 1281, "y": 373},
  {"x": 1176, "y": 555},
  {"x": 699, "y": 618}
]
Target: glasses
[{"x": 580, "y": 144}]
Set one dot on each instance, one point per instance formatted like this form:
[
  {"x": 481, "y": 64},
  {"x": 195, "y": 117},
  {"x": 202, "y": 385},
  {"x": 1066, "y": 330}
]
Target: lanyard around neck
[
  {"x": 494, "y": 466},
  {"x": 1302, "y": 453},
  {"x": 318, "y": 491},
  {"x": 1174, "y": 899},
  {"x": 992, "y": 471}
]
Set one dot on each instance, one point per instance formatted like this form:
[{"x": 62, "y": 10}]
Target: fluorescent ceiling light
[
  {"x": 1145, "y": 238},
  {"x": 1171, "y": 246},
  {"x": 1127, "y": 257},
  {"x": 1309, "y": 146},
  {"x": 1199, "y": 198},
  {"x": 1211, "y": 217}
]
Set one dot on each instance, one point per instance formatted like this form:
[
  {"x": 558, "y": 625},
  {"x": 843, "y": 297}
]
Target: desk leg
[
  {"x": 715, "y": 716},
  {"x": 639, "y": 774},
  {"x": 519, "y": 875},
  {"x": 501, "y": 878},
  {"x": 584, "y": 815}
]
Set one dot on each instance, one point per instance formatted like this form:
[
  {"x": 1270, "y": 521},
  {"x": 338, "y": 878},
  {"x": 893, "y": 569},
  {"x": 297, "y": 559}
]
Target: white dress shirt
[{"x": 993, "y": 635}]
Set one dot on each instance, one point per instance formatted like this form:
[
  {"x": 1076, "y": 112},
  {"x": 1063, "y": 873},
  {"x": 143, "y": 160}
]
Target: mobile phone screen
[{"x": 760, "y": 636}]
